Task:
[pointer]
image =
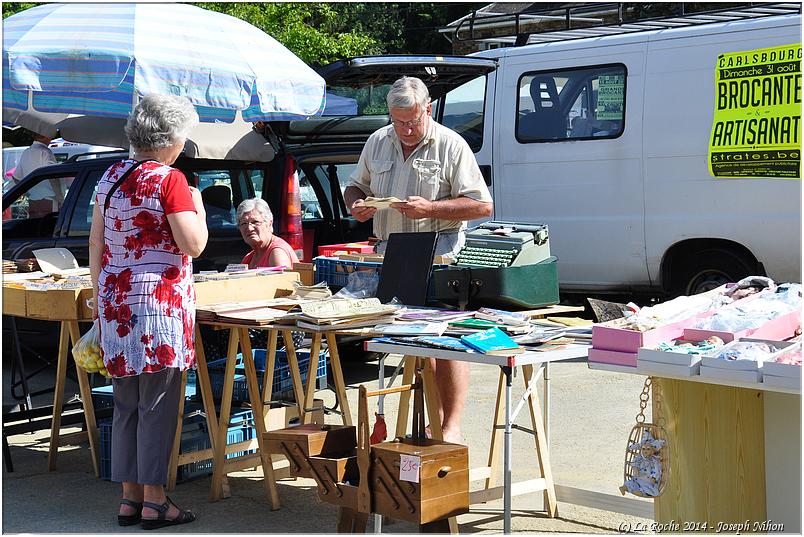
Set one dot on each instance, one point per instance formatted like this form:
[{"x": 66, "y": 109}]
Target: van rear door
[{"x": 327, "y": 148}]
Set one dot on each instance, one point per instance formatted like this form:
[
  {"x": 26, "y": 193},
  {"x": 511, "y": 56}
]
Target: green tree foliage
[
  {"x": 302, "y": 28},
  {"x": 402, "y": 28},
  {"x": 9, "y": 8}
]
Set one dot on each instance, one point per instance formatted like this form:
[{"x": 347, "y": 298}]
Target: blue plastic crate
[
  {"x": 282, "y": 378},
  {"x": 241, "y": 428},
  {"x": 336, "y": 271},
  {"x": 194, "y": 437},
  {"x": 103, "y": 396},
  {"x": 105, "y": 430}
]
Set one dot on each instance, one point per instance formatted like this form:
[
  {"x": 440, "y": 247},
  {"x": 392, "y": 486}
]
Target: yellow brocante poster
[{"x": 757, "y": 121}]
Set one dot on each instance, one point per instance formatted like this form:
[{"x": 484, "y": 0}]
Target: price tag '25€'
[{"x": 409, "y": 468}]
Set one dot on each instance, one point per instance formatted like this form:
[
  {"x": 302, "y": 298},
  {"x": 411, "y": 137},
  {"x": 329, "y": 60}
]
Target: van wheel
[{"x": 707, "y": 269}]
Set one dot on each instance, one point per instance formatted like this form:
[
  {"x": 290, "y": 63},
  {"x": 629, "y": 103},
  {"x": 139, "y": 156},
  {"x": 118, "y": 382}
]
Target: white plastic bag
[{"x": 87, "y": 352}]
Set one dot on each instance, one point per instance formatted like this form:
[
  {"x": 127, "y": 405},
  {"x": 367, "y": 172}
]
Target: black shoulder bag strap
[{"x": 119, "y": 182}]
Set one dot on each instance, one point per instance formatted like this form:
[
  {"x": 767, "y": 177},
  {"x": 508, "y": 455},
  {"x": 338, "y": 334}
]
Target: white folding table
[{"x": 506, "y": 364}]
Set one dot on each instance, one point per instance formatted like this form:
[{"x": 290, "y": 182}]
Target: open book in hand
[
  {"x": 493, "y": 342},
  {"x": 381, "y": 203}
]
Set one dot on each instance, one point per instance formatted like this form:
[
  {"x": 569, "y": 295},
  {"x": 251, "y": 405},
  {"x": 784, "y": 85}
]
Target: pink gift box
[
  {"x": 611, "y": 338},
  {"x": 780, "y": 328},
  {"x": 613, "y": 357}
]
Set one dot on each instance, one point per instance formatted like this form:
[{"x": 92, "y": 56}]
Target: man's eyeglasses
[
  {"x": 409, "y": 124},
  {"x": 247, "y": 224}
]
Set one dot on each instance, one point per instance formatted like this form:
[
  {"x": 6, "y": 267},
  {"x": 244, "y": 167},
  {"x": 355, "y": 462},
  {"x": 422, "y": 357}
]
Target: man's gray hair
[
  {"x": 408, "y": 92},
  {"x": 160, "y": 121},
  {"x": 254, "y": 204}
]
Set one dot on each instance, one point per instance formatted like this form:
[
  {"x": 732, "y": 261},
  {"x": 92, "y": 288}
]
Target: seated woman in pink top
[{"x": 255, "y": 220}]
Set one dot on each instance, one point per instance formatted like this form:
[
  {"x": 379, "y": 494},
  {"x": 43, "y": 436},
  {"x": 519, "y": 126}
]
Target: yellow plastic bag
[{"x": 87, "y": 352}]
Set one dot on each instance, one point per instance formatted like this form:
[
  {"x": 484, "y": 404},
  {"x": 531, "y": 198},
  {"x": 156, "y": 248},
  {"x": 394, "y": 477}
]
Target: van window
[
  {"x": 316, "y": 190},
  {"x": 219, "y": 202},
  {"x": 361, "y": 101},
  {"x": 575, "y": 104},
  {"x": 463, "y": 111}
]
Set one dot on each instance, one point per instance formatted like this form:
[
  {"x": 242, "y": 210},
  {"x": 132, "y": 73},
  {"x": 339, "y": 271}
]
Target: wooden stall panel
[
  {"x": 716, "y": 440},
  {"x": 243, "y": 289},
  {"x": 58, "y": 304},
  {"x": 14, "y": 301}
]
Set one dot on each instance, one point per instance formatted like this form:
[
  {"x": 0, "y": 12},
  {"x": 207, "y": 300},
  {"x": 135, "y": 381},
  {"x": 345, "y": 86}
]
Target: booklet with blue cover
[
  {"x": 436, "y": 342},
  {"x": 441, "y": 342},
  {"x": 492, "y": 341}
]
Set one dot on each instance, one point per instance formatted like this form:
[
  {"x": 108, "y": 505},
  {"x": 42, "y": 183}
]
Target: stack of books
[
  {"x": 493, "y": 342},
  {"x": 344, "y": 313}
]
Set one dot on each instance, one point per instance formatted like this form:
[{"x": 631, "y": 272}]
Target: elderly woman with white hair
[
  {"x": 255, "y": 220},
  {"x": 147, "y": 225}
]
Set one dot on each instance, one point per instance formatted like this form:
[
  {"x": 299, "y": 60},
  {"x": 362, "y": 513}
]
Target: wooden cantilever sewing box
[{"x": 367, "y": 479}]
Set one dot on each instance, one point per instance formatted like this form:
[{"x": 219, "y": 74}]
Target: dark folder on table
[{"x": 406, "y": 268}]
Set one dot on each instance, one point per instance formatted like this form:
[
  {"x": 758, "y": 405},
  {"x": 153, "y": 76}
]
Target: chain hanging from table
[{"x": 647, "y": 455}]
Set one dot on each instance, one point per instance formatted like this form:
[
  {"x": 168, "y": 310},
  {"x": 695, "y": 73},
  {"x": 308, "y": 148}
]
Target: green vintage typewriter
[
  {"x": 504, "y": 244},
  {"x": 502, "y": 264}
]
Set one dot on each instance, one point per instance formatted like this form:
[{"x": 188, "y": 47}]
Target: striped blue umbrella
[{"x": 98, "y": 59}]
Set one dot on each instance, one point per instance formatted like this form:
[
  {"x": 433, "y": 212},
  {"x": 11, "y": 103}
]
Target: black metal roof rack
[{"x": 536, "y": 24}]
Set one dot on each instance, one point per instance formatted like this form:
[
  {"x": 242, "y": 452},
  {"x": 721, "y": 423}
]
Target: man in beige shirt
[{"x": 433, "y": 170}]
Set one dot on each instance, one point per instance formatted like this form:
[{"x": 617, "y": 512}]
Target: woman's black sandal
[
  {"x": 161, "y": 521},
  {"x": 130, "y": 520}
]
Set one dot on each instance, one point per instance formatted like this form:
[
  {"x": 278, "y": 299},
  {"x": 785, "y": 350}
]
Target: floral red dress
[{"x": 146, "y": 298}]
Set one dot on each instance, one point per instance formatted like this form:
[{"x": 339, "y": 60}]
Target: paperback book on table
[
  {"x": 411, "y": 329},
  {"x": 513, "y": 318},
  {"x": 436, "y": 342},
  {"x": 493, "y": 342},
  {"x": 475, "y": 325}
]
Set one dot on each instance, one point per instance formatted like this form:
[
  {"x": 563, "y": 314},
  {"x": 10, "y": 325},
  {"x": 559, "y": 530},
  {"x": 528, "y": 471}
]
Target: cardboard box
[
  {"x": 783, "y": 370},
  {"x": 662, "y": 368},
  {"x": 306, "y": 272},
  {"x": 776, "y": 381},
  {"x": 14, "y": 301},
  {"x": 346, "y": 247},
  {"x": 613, "y": 338},
  {"x": 713, "y": 361},
  {"x": 613, "y": 357},
  {"x": 780, "y": 328},
  {"x": 732, "y": 374},
  {"x": 668, "y": 357},
  {"x": 242, "y": 289},
  {"x": 281, "y": 416},
  {"x": 58, "y": 304}
]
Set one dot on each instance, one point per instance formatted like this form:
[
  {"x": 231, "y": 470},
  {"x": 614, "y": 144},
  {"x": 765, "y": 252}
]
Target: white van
[
  {"x": 606, "y": 140},
  {"x": 62, "y": 150}
]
